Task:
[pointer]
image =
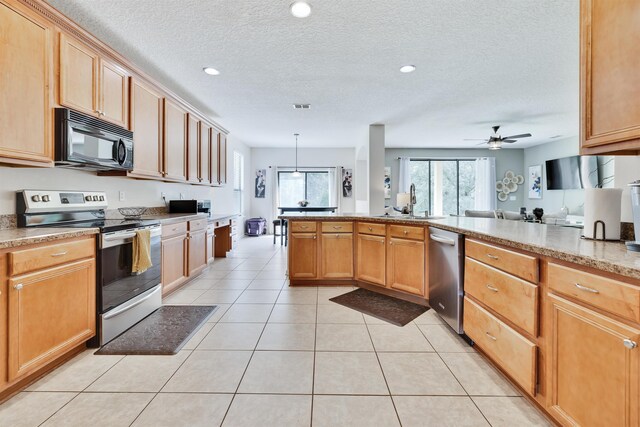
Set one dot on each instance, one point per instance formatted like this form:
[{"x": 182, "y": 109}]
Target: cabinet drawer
[
  {"x": 174, "y": 229},
  {"x": 518, "y": 264},
  {"x": 372, "y": 228},
  {"x": 511, "y": 351},
  {"x": 302, "y": 226},
  {"x": 46, "y": 256},
  {"x": 197, "y": 224},
  {"x": 407, "y": 232},
  {"x": 513, "y": 298},
  {"x": 337, "y": 227},
  {"x": 611, "y": 295}
]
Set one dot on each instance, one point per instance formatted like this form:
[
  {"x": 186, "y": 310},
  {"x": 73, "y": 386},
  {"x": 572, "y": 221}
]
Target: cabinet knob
[
  {"x": 405, "y": 232},
  {"x": 20, "y": 286},
  {"x": 314, "y": 237},
  {"x": 629, "y": 344},
  {"x": 370, "y": 229}
]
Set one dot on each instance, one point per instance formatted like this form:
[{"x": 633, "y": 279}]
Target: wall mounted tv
[{"x": 572, "y": 173}]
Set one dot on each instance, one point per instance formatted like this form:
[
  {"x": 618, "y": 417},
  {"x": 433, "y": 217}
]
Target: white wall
[
  {"x": 223, "y": 197},
  {"x": 506, "y": 159},
  {"x": 137, "y": 192},
  {"x": 270, "y": 158},
  {"x": 376, "y": 169},
  {"x": 627, "y": 169}
]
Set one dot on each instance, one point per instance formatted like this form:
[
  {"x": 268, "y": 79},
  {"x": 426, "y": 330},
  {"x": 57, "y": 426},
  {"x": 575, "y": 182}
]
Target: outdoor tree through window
[{"x": 444, "y": 187}]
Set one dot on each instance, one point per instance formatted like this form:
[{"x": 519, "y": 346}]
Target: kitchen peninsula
[{"x": 543, "y": 304}]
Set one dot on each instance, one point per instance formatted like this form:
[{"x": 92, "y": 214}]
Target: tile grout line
[
  {"x": 375, "y": 351},
  {"x": 250, "y": 357},
  {"x": 315, "y": 346}
]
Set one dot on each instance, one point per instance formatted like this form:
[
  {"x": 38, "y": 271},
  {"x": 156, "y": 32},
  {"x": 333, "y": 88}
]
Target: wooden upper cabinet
[
  {"x": 222, "y": 158},
  {"x": 609, "y": 77},
  {"x": 146, "y": 124},
  {"x": 114, "y": 94},
  {"x": 593, "y": 367},
  {"x": 193, "y": 147},
  {"x": 79, "y": 69},
  {"x": 204, "y": 156},
  {"x": 26, "y": 70},
  {"x": 175, "y": 133},
  {"x": 91, "y": 84},
  {"x": 214, "y": 155}
]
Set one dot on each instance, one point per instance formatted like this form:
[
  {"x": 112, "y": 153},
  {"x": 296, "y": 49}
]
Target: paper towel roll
[{"x": 602, "y": 204}]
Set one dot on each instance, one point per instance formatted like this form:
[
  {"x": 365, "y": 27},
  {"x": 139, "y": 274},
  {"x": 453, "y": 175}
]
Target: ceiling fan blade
[
  {"x": 510, "y": 141},
  {"x": 522, "y": 135},
  {"x": 483, "y": 143},
  {"x": 475, "y": 139}
]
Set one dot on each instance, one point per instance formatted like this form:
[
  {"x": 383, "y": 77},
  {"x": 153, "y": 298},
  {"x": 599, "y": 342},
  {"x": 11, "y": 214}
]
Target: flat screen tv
[{"x": 572, "y": 173}]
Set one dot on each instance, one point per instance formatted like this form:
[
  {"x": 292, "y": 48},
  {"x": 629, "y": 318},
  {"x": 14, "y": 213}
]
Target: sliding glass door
[{"x": 443, "y": 186}]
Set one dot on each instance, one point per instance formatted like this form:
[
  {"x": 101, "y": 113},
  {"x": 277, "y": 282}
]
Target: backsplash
[{"x": 8, "y": 221}]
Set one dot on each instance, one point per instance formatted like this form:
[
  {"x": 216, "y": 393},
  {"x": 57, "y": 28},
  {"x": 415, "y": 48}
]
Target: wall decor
[
  {"x": 535, "y": 182},
  {"x": 261, "y": 185},
  {"x": 347, "y": 182},
  {"x": 508, "y": 184},
  {"x": 387, "y": 182}
]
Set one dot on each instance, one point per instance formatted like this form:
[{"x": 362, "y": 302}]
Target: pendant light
[{"x": 296, "y": 173}]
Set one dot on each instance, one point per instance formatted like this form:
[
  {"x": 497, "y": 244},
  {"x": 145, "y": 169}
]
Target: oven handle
[
  {"x": 127, "y": 307},
  {"x": 155, "y": 232}
]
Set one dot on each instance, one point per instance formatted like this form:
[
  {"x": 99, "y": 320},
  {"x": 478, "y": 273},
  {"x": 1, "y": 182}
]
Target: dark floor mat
[
  {"x": 383, "y": 307},
  {"x": 163, "y": 332}
]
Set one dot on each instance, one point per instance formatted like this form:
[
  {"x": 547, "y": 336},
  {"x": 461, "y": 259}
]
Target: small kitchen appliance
[
  {"x": 123, "y": 298},
  {"x": 190, "y": 206},
  {"x": 635, "y": 205}
]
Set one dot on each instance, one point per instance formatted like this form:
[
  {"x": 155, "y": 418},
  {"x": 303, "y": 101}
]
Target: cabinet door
[
  {"x": 610, "y": 82},
  {"x": 79, "y": 68},
  {"x": 197, "y": 251},
  {"x": 204, "y": 156},
  {"x": 406, "y": 266},
  {"x": 146, "y": 124},
  {"x": 594, "y": 367},
  {"x": 50, "y": 312},
  {"x": 174, "y": 254},
  {"x": 193, "y": 142},
  {"x": 337, "y": 256},
  {"x": 114, "y": 94},
  {"x": 26, "y": 46},
  {"x": 222, "y": 159},
  {"x": 214, "y": 166},
  {"x": 371, "y": 257},
  {"x": 303, "y": 256},
  {"x": 210, "y": 245},
  {"x": 175, "y": 133}
]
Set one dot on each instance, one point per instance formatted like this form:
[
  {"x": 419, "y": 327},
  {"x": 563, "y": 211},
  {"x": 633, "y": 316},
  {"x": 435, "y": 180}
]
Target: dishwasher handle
[{"x": 441, "y": 239}]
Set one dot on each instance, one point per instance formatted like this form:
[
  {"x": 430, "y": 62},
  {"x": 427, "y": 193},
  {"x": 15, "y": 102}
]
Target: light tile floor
[{"x": 278, "y": 356}]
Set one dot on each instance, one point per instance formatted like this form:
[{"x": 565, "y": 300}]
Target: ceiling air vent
[{"x": 302, "y": 106}]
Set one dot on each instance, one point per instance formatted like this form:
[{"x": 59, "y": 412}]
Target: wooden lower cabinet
[
  {"x": 372, "y": 253},
  {"x": 406, "y": 265},
  {"x": 49, "y": 313},
  {"x": 174, "y": 272},
  {"x": 594, "y": 367},
  {"x": 337, "y": 256},
  {"x": 303, "y": 256},
  {"x": 197, "y": 243}
]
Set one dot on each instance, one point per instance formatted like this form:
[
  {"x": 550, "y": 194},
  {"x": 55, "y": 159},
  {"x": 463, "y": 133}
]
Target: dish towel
[{"x": 141, "y": 252}]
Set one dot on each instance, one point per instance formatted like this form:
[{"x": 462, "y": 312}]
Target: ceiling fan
[{"x": 495, "y": 140}]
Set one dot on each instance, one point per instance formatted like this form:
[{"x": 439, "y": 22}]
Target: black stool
[{"x": 284, "y": 227}]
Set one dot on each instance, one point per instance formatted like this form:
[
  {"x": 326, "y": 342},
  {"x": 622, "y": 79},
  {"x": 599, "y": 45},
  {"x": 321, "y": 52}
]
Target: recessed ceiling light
[
  {"x": 300, "y": 9},
  {"x": 407, "y": 68},
  {"x": 211, "y": 71}
]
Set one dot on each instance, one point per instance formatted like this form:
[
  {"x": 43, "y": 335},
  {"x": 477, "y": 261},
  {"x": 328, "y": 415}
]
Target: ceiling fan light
[
  {"x": 495, "y": 145},
  {"x": 300, "y": 9}
]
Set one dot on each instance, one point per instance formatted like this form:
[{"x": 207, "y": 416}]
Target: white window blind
[{"x": 238, "y": 181}]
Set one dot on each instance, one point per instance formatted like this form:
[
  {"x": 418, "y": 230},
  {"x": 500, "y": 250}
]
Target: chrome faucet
[{"x": 412, "y": 199}]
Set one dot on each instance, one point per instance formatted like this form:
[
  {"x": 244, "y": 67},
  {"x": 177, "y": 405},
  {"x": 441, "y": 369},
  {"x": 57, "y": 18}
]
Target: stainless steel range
[{"x": 123, "y": 297}]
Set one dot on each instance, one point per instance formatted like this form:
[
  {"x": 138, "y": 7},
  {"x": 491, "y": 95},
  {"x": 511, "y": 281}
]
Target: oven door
[{"x": 117, "y": 284}]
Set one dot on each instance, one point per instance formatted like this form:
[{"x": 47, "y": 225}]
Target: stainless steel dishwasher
[{"x": 446, "y": 275}]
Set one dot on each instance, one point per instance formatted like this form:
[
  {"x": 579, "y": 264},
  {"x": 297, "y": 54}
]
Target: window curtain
[
  {"x": 404, "y": 178},
  {"x": 485, "y": 199}
]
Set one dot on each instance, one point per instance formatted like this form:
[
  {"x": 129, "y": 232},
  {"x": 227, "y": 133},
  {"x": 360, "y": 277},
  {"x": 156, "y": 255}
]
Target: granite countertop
[
  {"x": 15, "y": 237},
  {"x": 564, "y": 243},
  {"x": 172, "y": 218}
]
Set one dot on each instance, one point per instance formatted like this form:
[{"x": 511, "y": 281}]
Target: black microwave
[{"x": 85, "y": 142}]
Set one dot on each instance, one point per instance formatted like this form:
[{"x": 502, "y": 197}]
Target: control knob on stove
[
  {"x": 95, "y": 198},
  {"x": 45, "y": 198},
  {"x": 87, "y": 198},
  {"x": 35, "y": 198},
  {"x": 102, "y": 198}
]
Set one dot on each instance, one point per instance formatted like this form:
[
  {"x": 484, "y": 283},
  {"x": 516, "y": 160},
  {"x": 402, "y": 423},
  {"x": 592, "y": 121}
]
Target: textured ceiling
[{"x": 479, "y": 63}]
